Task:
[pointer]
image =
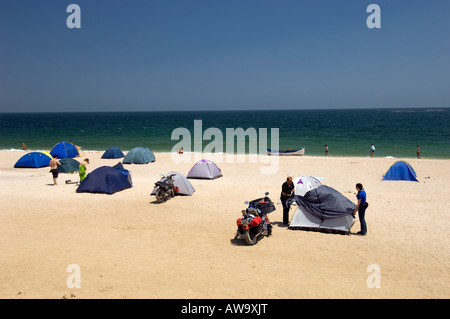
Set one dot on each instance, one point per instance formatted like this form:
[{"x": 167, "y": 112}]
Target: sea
[{"x": 347, "y": 132}]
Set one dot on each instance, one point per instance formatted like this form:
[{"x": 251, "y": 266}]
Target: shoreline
[
  {"x": 126, "y": 246},
  {"x": 234, "y": 154}
]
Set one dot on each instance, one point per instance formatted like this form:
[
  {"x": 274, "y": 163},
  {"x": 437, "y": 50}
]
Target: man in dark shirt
[{"x": 286, "y": 193}]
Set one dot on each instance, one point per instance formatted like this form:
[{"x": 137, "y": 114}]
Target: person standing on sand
[
  {"x": 286, "y": 193},
  {"x": 361, "y": 208},
  {"x": 372, "y": 151},
  {"x": 82, "y": 171},
  {"x": 418, "y": 151},
  {"x": 54, "y": 162},
  {"x": 326, "y": 150}
]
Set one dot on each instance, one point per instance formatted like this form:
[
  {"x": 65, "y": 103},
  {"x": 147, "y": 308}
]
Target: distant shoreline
[{"x": 218, "y": 154}]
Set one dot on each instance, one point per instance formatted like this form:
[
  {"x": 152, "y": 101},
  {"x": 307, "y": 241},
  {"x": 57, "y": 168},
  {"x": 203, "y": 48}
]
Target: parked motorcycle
[
  {"x": 255, "y": 222},
  {"x": 165, "y": 188}
]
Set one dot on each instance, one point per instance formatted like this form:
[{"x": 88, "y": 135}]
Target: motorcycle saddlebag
[{"x": 264, "y": 204}]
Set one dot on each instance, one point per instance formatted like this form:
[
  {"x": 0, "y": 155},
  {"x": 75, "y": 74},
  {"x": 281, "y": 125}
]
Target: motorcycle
[
  {"x": 165, "y": 188},
  {"x": 255, "y": 222}
]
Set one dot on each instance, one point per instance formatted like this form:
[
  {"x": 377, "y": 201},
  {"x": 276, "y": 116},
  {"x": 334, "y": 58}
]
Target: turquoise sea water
[{"x": 394, "y": 132}]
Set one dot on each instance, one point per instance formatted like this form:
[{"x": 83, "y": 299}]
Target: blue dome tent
[
  {"x": 400, "y": 171},
  {"x": 34, "y": 160},
  {"x": 66, "y": 149},
  {"x": 113, "y": 152},
  {"x": 139, "y": 155},
  {"x": 105, "y": 179}
]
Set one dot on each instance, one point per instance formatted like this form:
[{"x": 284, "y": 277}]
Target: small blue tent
[
  {"x": 104, "y": 179},
  {"x": 113, "y": 152},
  {"x": 139, "y": 155},
  {"x": 65, "y": 149},
  {"x": 34, "y": 160},
  {"x": 400, "y": 171}
]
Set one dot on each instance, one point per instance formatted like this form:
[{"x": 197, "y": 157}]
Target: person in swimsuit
[{"x": 54, "y": 168}]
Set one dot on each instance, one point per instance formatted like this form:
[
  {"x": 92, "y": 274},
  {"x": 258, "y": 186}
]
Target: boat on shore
[{"x": 288, "y": 152}]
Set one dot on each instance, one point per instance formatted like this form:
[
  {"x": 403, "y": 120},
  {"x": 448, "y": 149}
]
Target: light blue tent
[
  {"x": 139, "y": 155},
  {"x": 400, "y": 171}
]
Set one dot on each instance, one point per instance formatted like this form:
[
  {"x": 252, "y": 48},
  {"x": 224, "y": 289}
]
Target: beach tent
[
  {"x": 66, "y": 149},
  {"x": 179, "y": 180},
  {"x": 104, "y": 179},
  {"x": 124, "y": 171},
  {"x": 400, "y": 171},
  {"x": 204, "y": 169},
  {"x": 139, "y": 155},
  {"x": 113, "y": 152},
  {"x": 323, "y": 209},
  {"x": 34, "y": 160},
  {"x": 304, "y": 184},
  {"x": 68, "y": 165}
]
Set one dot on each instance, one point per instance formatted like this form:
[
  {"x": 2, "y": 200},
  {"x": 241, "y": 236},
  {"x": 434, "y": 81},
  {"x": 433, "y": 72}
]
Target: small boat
[{"x": 287, "y": 152}]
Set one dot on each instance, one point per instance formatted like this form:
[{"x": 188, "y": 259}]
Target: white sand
[{"x": 128, "y": 247}]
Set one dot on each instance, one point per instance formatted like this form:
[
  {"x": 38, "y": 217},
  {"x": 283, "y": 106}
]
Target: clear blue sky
[{"x": 223, "y": 54}]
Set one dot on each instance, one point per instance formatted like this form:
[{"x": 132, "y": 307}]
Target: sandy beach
[{"x": 126, "y": 246}]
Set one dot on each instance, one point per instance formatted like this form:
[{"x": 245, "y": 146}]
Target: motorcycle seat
[{"x": 162, "y": 184}]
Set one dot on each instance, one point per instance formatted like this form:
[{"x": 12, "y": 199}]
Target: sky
[{"x": 163, "y": 55}]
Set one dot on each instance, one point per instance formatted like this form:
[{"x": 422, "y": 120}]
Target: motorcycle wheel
[
  {"x": 249, "y": 237},
  {"x": 159, "y": 195}
]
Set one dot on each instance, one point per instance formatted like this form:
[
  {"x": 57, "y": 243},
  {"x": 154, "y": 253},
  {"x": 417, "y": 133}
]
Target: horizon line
[{"x": 234, "y": 110}]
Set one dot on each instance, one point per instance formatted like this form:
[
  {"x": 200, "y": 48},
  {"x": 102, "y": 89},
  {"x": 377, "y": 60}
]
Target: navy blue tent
[
  {"x": 113, "y": 152},
  {"x": 400, "y": 171},
  {"x": 104, "y": 179},
  {"x": 139, "y": 155}
]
